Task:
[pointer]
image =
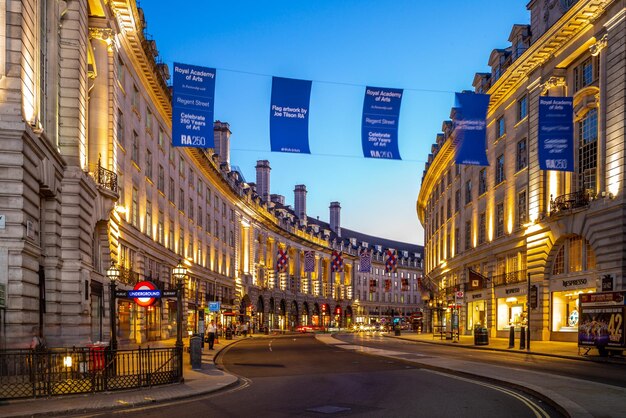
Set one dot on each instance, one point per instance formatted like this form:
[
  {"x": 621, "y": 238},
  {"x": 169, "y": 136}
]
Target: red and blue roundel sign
[{"x": 145, "y": 293}]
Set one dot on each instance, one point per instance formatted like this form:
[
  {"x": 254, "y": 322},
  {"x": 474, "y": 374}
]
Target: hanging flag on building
[
  {"x": 391, "y": 263},
  {"x": 476, "y": 280},
  {"x": 556, "y": 133},
  {"x": 379, "y": 128},
  {"x": 289, "y": 115},
  {"x": 365, "y": 261},
  {"x": 336, "y": 263},
  {"x": 470, "y": 128},
  {"x": 282, "y": 261},
  {"x": 193, "y": 106},
  {"x": 373, "y": 285},
  {"x": 387, "y": 285},
  {"x": 309, "y": 261}
]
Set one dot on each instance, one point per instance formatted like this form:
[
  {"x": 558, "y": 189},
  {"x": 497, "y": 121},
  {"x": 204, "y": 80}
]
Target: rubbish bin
[
  {"x": 481, "y": 336},
  {"x": 195, "y": 352},
  {"x": 397, "y": 330},
  {"x": 229, "y": 334}
]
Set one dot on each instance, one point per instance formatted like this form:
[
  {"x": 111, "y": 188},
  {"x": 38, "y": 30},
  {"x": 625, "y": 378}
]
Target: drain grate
[{"x": 328, "y": 409}]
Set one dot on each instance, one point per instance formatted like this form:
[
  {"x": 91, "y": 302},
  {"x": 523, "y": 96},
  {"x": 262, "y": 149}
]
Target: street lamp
[
  {"x": 179, "y": 272},
  {"x": 113, "y": 273}
]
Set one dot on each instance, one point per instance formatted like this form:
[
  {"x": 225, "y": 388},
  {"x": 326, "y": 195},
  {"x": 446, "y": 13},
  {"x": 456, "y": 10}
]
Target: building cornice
[
  {"x": 576, "y": 21},
  {"x": 131, "y": 38}
]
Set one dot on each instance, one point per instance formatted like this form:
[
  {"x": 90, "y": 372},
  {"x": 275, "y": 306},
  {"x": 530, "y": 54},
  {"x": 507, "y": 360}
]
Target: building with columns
[
  {"x": 493, "y": 233},
  {"x": 90, "y": 179}
]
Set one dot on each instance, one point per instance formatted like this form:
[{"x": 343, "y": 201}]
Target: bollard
[
  {"x": 522, "y": 338},
  {"x": 512, "y": 337}
]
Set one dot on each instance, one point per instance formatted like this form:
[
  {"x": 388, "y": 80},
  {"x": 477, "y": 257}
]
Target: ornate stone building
[
  {"x": 490, "y": 230},
  {"x": 89, "y": 177}
]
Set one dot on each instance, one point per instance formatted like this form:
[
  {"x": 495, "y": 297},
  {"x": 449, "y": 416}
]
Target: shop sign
[
  {"x": 607, "y": 283},
  {"x": 569, "y": 284},
  {"x": 476, "y": 296},
  {"x": 534, "y": 296},
  {"x": 214, "y": 306},
  {"x": 511, "y": 291},
  {"x": 601, "y": 321}
]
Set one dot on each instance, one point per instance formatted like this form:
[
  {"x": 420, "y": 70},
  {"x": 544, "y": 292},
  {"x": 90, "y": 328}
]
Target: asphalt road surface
[
  {"x": 607, "y": 373},
  {"x": 300, "y": 376}
]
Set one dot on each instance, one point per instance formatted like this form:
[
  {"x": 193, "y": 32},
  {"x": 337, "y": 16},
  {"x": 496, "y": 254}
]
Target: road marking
[
  {"x": 270, "y": 345},
  {"x": 536, "y": 409}
]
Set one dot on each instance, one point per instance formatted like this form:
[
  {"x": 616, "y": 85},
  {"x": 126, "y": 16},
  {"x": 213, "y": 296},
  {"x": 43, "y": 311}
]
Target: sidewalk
[
  {"x": 197, "y": 382},
  {"x": 545, "y": 348}
]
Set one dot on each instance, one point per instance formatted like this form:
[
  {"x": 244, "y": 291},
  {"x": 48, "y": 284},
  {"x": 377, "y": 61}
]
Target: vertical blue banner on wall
[
  {"x": 193, "y": 106},
  {"x": 289, "y": 115},
  {"x": 556, "y": 133},
  {"x": 379, "y": 129},
  {"x": 470, "y": 127}
]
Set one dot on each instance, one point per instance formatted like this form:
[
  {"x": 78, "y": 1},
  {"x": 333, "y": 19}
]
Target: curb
[{"x": 611, "y": 360}]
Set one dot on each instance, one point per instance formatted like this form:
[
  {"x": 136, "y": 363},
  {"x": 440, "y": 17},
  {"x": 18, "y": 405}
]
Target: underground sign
[{"x": 145, "y": 293}]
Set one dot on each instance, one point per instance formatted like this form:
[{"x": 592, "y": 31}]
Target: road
[
  {"x": 300, "y": 376},
  {"x": 610, "y": 374}
]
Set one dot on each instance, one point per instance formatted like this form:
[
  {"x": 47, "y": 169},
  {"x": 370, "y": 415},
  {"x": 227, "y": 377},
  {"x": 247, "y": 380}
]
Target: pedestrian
[
  {"x": 38, "y": 342},
  {"x": 211, "y": 329},
  {"x": 218, "y": 334},
  {"x": 244, "y": 329}
]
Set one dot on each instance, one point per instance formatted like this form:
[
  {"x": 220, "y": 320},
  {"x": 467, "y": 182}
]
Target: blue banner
[
  {"x": 379, "y": 129},
  {"x": 556, "y": 133},
  {"x": 193, "y": 106},
  {"x": 289, "y": 115},
  {"x": 470, "y": 128}
]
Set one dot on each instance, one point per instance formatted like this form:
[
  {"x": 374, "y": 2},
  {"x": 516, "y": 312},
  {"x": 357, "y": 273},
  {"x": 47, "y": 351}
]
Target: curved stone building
[
  {"x": 492, "y": 233},
  {"x": 90, "y": 180}
]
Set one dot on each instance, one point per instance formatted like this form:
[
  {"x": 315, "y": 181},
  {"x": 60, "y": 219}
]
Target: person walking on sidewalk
[{"x": 211, "y": 330}]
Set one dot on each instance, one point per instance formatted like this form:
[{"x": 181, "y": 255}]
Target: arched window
[{"x": 574, "y": 255}]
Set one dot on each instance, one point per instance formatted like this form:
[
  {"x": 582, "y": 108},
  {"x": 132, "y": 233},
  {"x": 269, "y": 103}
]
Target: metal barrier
[{"x": 28, "y": 373}]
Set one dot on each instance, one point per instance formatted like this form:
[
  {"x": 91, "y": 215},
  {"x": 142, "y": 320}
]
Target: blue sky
[{"x": 429, "y": 49}]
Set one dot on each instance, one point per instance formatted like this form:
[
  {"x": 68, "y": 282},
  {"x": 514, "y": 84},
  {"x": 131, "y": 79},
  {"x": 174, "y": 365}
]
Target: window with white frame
[{"x": 588, "y": 150}]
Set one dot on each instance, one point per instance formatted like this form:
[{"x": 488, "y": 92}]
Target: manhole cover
[{"x": 328, "y": 409}]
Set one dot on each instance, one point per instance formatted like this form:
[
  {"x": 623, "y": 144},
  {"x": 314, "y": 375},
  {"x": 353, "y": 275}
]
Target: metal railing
[
  {"x": 509, "y": 278},
  {"x": 106, "y": 178},
  {"x": 568, "y": 201},
  {"x": 33, "y": 374}
]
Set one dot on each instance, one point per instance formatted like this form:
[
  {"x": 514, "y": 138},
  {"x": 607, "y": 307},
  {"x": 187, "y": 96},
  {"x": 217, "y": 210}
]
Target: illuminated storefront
[
  {"x": 511, "y": 307},
  {"x": 564, "y": 301},
  {"x": 476, "y": 310}
]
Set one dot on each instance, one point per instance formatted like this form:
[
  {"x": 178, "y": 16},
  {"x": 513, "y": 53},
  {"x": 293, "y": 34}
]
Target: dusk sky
[{"x": 429, "y": 49}]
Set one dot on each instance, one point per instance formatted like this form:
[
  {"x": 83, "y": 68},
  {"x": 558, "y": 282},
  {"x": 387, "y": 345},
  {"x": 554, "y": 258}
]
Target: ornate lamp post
[
  {"x": 113, "y": 273},
  {"x": 179, "y": 272}
]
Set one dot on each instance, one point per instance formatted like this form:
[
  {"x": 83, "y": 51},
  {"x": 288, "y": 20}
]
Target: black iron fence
[{"x": 29, "y": 373}]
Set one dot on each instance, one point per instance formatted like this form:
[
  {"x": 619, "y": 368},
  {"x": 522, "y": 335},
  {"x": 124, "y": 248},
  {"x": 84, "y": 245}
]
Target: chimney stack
[
  {"x": 335, "y": 218},
  {"x": 221, "y": 136},
  {"x": 263, "y": 179},
  {"x": 300, "y": 202}
]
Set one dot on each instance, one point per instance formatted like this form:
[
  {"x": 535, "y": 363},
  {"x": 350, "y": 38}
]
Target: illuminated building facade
[
  {"x": 89, "y": 178},
  {"x": 490, "y": 229}
]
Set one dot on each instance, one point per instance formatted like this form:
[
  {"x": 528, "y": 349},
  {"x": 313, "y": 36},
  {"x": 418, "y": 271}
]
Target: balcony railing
[
  {"x": 569, "y": 201},
  {"x": 106, "y": 178},
  {"x": 509, "y": 278}
]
